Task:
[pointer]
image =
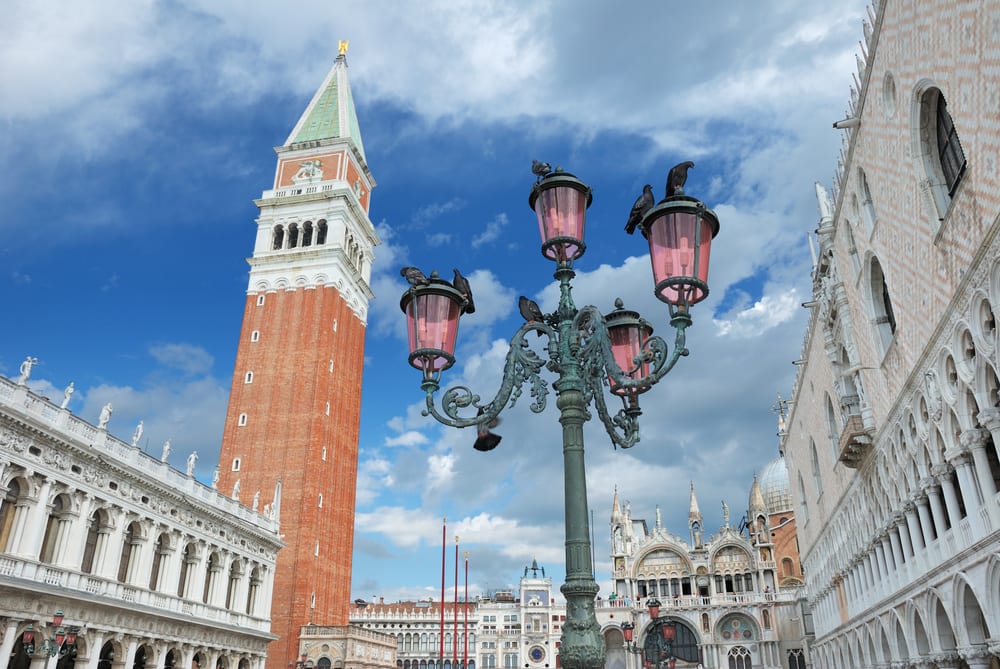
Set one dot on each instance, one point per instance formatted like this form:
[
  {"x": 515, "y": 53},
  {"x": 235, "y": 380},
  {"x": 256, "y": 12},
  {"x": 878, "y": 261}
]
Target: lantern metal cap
[
  {"x": 679, "y": 204},
  {"x": 558, "y": 178},
  {"x": 436, "y": 285},
  {"x": 622, "y": 316}
]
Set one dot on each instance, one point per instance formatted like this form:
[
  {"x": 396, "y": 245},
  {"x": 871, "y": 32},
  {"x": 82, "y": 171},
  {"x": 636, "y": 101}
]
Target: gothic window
[
  {"x": 307, "y": 233},
  {"x": 796, "y": 660},
  {"x": 279, "y": 238},
  {"x": 885, "y": 321},
  {"x": 867, "y": 205},
  {"x": 739, "y": 658},
  {"x": 832, "y": 428},
  {"x": 803, "y": 505},
  {"x": 321, "y": 232},
  {"x": 817, "y": 478},
  {"x": 941, "y": 149}
]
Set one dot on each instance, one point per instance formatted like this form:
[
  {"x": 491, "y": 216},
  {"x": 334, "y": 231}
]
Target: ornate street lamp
[
  {"x": 61, "y": 643},
  {"x": 586, "y": 350},
  {"x": 659, "y": 647}
]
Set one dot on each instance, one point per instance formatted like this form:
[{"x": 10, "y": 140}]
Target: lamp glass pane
[
  {"x": 561, "y": 212},
  {"x": 626, "y": 342},
  {"x": 432, "y": 323},
  {"x": 679, "y": 246}
]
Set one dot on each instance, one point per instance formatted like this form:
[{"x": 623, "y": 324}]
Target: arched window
[
  {"x": 832, "y": 428},
  {"x": 739, "y": 658},
  {"x": 214, "y": 569},
  {"x": 56, "y": 524},
  {"x": 817, "y": 478},
  {"x": 160, "y": 551},
  {"x": 9, "y": 505},
  {"x": 90, "y": 546},
  {"x": 252, "y": 592},
  {"x": 885, "y": 321},
  {"x": 235, "y": 574},
  {"x": 321, "y": 232},
  {"x": 130, "y": 552},
  {"x": 293, "y": 235},
  {"x": 278, "y": 238},
  {"x": 943, "y": 157},
  {"x": 796, "y": 660},
  {"x": 188, "y": 561},
  {"x": 867, "y": 205},
  {"x": 307, "y": 233}
]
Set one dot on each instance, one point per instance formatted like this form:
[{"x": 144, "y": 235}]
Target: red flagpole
[
  {"x": 444, "y": 540},
  {"x": 465, "y": 632},
  {"x": 454, "y": 645}
]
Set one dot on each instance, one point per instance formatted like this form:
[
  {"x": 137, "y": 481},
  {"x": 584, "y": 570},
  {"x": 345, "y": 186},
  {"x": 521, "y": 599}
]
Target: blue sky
[{"x": 136, "y": 134}]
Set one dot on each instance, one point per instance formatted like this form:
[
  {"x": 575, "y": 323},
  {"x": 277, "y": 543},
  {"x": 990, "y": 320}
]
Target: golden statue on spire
[{"x": 342, "y": 46}]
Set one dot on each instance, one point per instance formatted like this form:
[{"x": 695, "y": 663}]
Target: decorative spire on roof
[
  {"x": 616, "y": 509},
  {"x": 330, "y": 114},
  {"x": 694, "y": 513},
  {"x": 757, "y": 506}
]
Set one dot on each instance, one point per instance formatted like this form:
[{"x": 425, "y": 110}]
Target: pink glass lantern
[
  {"x": 71, "y": 636},
  {"x": 60, "y": 637},
  {"x": 654, "y": 608},
  {"x": 627, "y": 632},
  {"x": 57, "y": 618},
  {"x": 28, "y": 635},
  {"x": 680, "y": 232},
  {"x": 668, "y": 632},
  {"x": 560, "y": 201},
  {"x": 432, "y": 312},
  {"x": 628, "y": 332}
]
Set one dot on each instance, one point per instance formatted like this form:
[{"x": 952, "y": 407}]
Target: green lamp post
[{"x": 587, "y": 351}]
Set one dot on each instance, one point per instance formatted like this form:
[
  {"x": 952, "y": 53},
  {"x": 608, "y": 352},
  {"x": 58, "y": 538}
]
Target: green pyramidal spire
[{"x": 330, "y": 114}]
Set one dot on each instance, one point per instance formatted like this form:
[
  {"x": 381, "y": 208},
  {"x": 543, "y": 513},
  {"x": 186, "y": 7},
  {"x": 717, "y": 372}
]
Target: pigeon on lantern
[
  {"x": 461, "y": 284},
  {"x": 413, "y": 276},
  {"x": 642, "y": 204},
  {"x": 540, "y": 169},
  {"x": 677, "y": 177}
]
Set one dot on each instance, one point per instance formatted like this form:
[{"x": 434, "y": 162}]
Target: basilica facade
[{"x": 894, "y": 421}]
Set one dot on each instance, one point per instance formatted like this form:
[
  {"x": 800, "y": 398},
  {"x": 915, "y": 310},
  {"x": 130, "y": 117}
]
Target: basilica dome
[{"x": 774, "y": 488}]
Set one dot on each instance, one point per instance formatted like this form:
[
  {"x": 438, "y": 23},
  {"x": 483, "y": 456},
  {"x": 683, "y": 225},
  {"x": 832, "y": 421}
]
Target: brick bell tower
[{"x": 290, "y": 441}]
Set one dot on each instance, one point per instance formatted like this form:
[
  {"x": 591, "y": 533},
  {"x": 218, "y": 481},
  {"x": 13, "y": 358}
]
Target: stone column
[
  {"x": 913, "y": 525},
  {"x": 9, "y": 637},
  {"x": 897, "y": 550},
  {"x": 924, "y": 516},
  {"x": 977, "y": 657},
  {"x": 990, "y": 419},
  {"x": 974, "y": 441},
  {"x": 109, "y": 545},
  {"x": 885, "y": 553},
  {"x": 34, "y": 522},
  {"x": 72, "y": 554},
  {"x": 961, "y": 460},
  {"x": 942, "y": 472},
  {"x": 905, "y": 542}
]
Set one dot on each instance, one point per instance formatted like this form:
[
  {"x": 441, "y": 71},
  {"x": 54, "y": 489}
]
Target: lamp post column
[{"x": 581, "y": 646}]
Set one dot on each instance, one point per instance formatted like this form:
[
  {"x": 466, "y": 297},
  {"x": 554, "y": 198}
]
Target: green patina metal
[{"x": 331, "y": 114}]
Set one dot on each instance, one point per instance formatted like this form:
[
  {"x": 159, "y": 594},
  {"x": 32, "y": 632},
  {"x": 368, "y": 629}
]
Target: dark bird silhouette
[
  {"x": 529, "y": 310},
  {"x": 677, "y": 177},
  {"x": 486, "y": 440},
  {"x": 540, "y": 169},
  {"x": 643, "y": 204},
  {"x": 462, "y": 285},
  {"x": 413, "y": 276}
]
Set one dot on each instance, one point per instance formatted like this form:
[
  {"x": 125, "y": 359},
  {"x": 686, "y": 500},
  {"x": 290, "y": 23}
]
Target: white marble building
[
  {"x": 150, "y": 568},
  {"x": 894, "y": 424}
]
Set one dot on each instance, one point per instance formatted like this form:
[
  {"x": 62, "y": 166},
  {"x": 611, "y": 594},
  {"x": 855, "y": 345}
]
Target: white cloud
[
  {"x": 408, "y": 438},
  {"x": 187, "y": 358},
  {"x": 491, "y": 231},
  {"x": 767, "y": 313}
]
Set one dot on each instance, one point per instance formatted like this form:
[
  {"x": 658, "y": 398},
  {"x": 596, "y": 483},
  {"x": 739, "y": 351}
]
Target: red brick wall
[{"x": 287, "y": 428}]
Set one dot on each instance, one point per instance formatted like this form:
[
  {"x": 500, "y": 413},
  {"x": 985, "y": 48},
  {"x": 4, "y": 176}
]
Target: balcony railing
[{"x": 855, "y": 442}]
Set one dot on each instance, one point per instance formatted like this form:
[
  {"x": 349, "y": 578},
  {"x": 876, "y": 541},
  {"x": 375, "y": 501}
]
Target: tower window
[
  {"x": 236, "y": 464},
  {"x": 331, "y": 364},
  {"x": 327, "y": 408},
  {"x": 324, "y": 453},
  {"x": 255, "y": 335},
  {"x": 248, "y": 378},
  {"x": 321, "y": 500},
  {"x": 279, "y": 238},
  {"x": 321, "y": 232},
  {"x": 242, "y": 420},
  {"x": 316, "y": 552},
  {"x": 334, "y": 324},
  {"x": 260, "y": 300},
  {"x": 293, "y": 236}
]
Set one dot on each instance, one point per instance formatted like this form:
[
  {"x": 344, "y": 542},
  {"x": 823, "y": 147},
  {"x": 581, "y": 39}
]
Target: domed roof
[{"x": 774, "y": 488}]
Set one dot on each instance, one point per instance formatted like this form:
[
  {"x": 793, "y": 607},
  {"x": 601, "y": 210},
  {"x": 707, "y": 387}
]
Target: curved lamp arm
[{"x": 522, "y": 366}]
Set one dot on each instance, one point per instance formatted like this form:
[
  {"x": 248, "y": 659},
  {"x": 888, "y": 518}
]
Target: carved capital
[
  {"x": 941, "y": 470},
  {"x": 989, "y": 418},
  {"x": 974, "y": 438}
]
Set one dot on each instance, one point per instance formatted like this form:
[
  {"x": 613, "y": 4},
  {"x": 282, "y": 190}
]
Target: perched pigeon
[
  {"x": 540, "y": 169},
  {"x": 643, "y": 204},
  {"x": 529, "y": 310},
  {"x": 461, "y": 284},
  {"x": 413, "y": 276},
  {"x": 677, "y": 177},
  {"x": 486, "y": 440}
]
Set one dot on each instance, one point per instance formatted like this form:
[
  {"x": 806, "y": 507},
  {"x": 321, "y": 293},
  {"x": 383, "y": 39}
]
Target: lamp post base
[{"x": 581, "y": 645}]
